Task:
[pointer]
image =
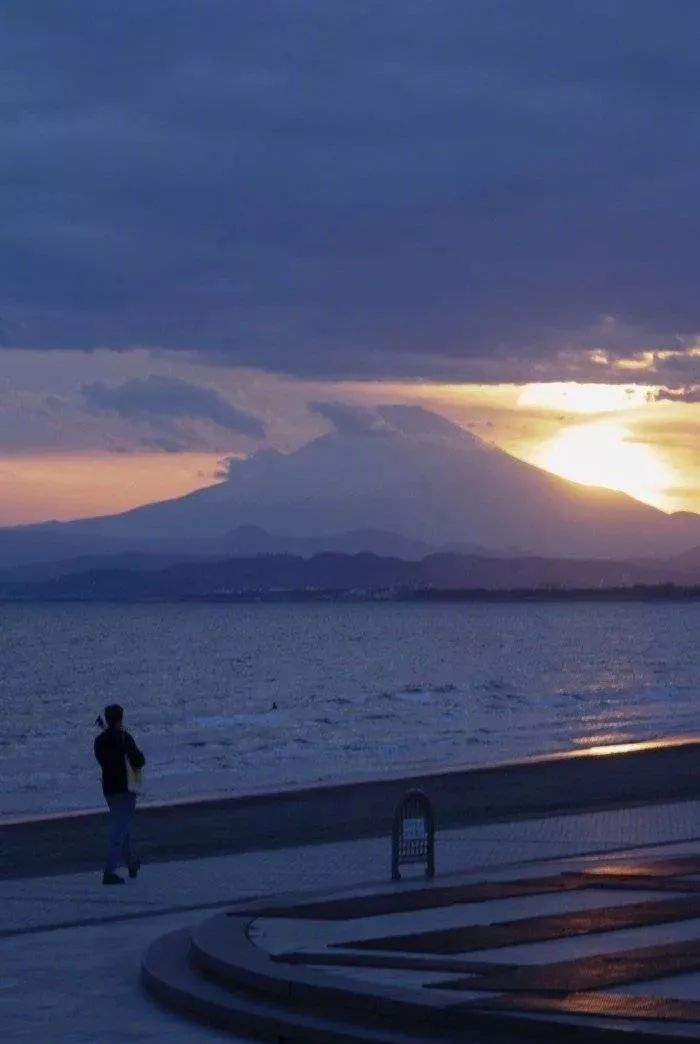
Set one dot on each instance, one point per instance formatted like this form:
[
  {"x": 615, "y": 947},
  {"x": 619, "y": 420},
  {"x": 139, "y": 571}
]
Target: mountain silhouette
[{"x": 413, "y": 474}]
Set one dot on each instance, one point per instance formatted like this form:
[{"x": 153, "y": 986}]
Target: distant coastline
[{"x": 637, "y": 593}]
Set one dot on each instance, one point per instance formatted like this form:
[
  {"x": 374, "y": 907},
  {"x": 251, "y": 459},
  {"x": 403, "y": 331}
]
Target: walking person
[{"x": 119, "y": 759}]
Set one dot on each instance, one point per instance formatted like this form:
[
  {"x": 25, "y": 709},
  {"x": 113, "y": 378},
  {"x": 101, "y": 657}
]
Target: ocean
[{"x": 360, "y": 689}]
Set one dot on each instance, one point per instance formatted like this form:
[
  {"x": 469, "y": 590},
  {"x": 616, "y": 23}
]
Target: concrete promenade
[{"x": 70, "y": 950}]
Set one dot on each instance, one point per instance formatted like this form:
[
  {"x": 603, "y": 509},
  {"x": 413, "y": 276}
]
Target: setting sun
[{"x": 605, "y": 454}]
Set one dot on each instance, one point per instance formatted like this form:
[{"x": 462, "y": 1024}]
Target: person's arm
[
  {"x": 135, "y": 756},
  {"x": 98, "y": 749}
]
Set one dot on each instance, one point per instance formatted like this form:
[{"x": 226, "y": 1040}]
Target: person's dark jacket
[{"x": 111, "y": 748}]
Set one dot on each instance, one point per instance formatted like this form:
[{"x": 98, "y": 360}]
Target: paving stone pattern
[{"x": 587, "y": 986}]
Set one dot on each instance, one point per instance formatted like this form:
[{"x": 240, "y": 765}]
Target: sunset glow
[
  {"x": 67, "y": 486},
  {"x": 606, "y": 454},
  {"x": 583, "y": 398}
]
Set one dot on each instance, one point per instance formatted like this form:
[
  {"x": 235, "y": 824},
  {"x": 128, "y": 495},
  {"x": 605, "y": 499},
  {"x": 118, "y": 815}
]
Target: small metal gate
[{"x": 413, "y": 836}]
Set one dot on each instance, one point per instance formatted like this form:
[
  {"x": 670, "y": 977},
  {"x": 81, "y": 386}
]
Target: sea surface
[{"x": 361, "y": 689}]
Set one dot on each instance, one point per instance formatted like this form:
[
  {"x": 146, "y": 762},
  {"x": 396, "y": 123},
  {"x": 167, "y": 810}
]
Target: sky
[{"x": 217, "y": 214}]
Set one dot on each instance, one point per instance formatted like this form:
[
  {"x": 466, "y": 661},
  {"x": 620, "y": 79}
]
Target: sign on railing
[{"x": 413, "y": 836}]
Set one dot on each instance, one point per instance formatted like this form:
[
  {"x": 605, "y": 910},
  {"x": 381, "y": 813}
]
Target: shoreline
[
  {"x": 190, "y": 828},
  {"x": 302, "y": 790}
]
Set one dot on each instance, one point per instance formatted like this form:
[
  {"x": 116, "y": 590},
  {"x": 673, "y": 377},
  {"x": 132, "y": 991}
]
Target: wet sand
[{"x": 582, "y": 781}]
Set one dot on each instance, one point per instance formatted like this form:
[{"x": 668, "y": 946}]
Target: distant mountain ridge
[
  {"x": 362, "y": 574},
  {"x": 25, "y": 556}
]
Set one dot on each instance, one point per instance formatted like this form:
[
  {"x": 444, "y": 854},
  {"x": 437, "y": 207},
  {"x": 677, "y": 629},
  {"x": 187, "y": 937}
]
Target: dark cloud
[
  {"x": 167, "y": 444},
  {"x": 689, "y": 394},
  {"x": 455, "y": 189},
  {"x": 416, "y": 420},
  {"x": 347, "y": 419},
  {"x": 679, "y": 367},
  {"x": 169, "y": 398}
]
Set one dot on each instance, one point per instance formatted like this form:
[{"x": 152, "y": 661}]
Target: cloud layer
[
  {"x": 689, "y": 394},
  {"x": 161, "y": 397},
  {"x": 456, "y": 190}
]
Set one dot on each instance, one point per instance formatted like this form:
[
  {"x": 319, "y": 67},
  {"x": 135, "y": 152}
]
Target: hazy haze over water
[{"x": 361, "y": 689}]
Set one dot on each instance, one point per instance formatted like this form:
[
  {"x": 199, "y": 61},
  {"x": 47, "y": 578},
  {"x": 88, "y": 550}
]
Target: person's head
[{"x": 114, "y": 715}]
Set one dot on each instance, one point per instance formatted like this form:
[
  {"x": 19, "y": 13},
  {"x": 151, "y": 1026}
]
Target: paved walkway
[{"x": 70, "y": 950}]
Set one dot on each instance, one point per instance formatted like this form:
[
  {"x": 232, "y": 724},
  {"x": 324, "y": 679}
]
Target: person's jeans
[{"x": 121, "y": 809}]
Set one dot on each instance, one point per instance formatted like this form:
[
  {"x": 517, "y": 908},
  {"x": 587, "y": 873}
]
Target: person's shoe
[
  {"x": 109, "y": 879},
  {"x": 134, "y": 869}
]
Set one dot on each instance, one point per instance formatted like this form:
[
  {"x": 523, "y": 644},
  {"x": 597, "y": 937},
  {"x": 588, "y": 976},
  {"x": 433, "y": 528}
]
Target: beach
[{"x": 607, "y": 778}]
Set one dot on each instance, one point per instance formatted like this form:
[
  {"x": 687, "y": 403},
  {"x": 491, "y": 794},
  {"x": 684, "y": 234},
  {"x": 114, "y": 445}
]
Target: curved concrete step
[
  {"x": 222, "y": 951},
  {"x": 218, "y": 976},
  {"x": 171, "y": 979}
]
